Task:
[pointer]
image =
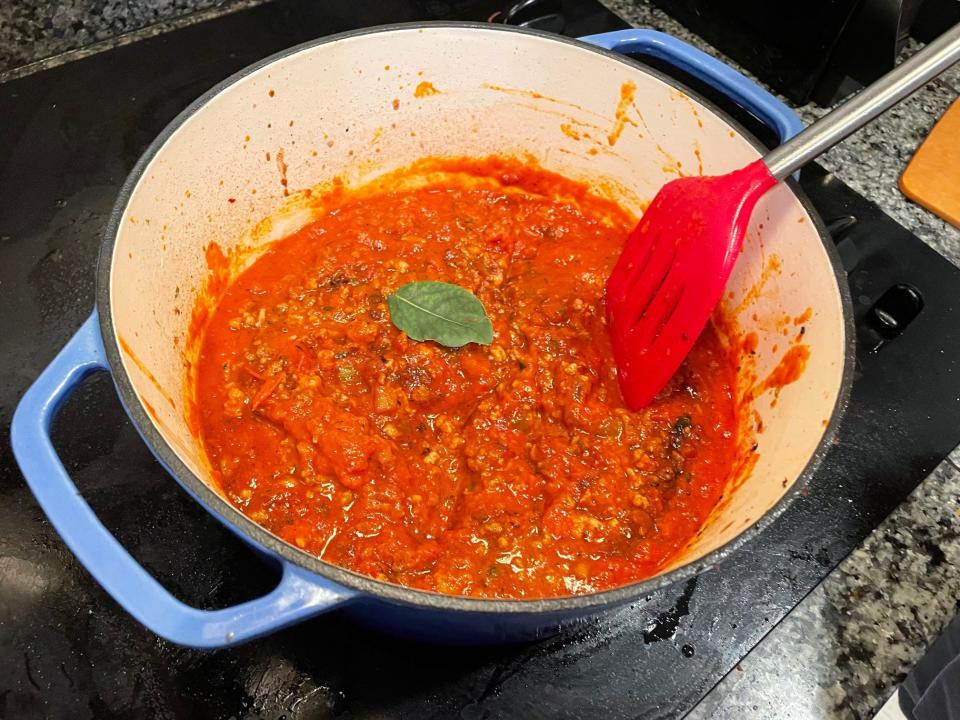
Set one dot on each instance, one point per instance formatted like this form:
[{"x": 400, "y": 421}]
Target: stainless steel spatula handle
[{"x": 865, "y": 106}]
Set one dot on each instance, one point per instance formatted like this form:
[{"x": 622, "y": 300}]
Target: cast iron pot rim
[{"x": 239, "y": 522}]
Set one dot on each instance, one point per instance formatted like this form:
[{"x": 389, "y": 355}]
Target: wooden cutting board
[{"x": 932, "y": 179}]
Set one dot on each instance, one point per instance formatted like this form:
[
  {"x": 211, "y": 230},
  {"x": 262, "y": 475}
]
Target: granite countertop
[
  {"x": 843, "y": 649},
  {"x": 34, "y": 31}
]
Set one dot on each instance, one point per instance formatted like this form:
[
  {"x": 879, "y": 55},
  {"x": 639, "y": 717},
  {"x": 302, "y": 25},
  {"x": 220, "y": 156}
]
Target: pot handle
[
  {"x": 746, "y": 93},
  {"x": 297, "y": 596}
]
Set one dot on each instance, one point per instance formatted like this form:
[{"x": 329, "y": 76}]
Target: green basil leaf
[{"x": 446, "y": 313}]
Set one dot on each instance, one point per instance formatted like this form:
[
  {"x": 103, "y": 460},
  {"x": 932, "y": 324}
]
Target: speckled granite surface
[
  {"x": 839, "y": 654},
  {"x": 32, "y": 30},
  {"x": 871, "y": 160}
]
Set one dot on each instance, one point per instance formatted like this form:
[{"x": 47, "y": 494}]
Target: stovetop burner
[
  {"x": 547, "y": 15},
  {"x": 69, "y": 135}
]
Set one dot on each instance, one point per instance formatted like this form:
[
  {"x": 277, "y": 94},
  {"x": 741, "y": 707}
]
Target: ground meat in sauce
[{"x": 502, "y": 471}]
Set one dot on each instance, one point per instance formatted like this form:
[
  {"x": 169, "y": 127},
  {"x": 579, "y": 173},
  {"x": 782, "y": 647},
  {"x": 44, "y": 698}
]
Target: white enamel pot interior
[{"x": 349, "y": 107}]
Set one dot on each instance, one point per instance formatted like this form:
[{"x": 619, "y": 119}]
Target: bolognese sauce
[{"x": 509, "y": 470}]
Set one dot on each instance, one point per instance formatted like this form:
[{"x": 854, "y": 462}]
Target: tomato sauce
[{"x": 504, "y": 471}]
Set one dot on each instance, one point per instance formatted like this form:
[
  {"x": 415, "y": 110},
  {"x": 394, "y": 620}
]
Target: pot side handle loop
[
  {"x": 746, "y": 93},
  {"x": 297, "y": 596}
]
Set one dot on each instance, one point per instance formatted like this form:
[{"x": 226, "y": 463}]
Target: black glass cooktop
[{"x": 69, "y": 135}]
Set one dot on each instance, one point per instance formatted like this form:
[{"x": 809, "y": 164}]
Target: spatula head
[{"x": 672, "y": 273}]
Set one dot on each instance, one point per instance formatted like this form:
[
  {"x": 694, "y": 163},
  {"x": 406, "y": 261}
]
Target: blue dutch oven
[{"x": 322, "y": 105}]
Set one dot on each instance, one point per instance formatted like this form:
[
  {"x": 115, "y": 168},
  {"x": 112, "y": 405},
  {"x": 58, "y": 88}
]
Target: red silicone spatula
[{"x": 676, "y": 262}]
